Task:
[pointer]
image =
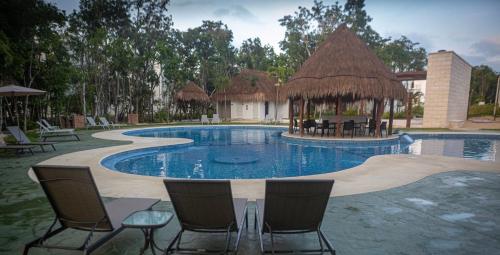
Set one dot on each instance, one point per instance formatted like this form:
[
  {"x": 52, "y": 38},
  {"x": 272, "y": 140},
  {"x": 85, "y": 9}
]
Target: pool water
[{"x": 251, "y": 152}]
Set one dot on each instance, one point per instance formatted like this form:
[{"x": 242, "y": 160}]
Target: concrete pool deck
[{"x": 376, "y": 174}]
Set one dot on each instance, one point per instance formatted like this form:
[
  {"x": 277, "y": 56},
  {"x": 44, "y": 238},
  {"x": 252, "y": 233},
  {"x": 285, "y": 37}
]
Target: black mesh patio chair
[
  {"x": 308, "y": 124},
  {"x": 349, "y": 127},
  {"x": 206, "y": 207},
  {"x": 293, "y": 207},
  {"x": 325, "y": 125},
  {"x": 77, "y": 204},
  {"x": 371, "y": 127},
  {"x": 383, "y": 127}
]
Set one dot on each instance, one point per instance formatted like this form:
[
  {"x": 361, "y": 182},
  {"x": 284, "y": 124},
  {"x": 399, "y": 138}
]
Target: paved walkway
[{"x": 445, "y": 213}]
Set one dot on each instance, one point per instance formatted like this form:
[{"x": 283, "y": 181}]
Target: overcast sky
[{"x": 470, "y": 28}]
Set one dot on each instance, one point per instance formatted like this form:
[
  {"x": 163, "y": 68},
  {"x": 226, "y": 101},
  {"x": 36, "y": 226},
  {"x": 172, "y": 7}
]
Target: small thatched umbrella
[
  {"x": 343, "y": 68},
  {"x": 191, "y": 95},
  {"x": 16, "y": 91}
]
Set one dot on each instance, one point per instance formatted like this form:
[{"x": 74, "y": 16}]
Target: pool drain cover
[{"x": 235, "y": 159}]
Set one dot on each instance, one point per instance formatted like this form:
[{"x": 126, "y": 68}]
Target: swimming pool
[{"x": 236, "y": 152}]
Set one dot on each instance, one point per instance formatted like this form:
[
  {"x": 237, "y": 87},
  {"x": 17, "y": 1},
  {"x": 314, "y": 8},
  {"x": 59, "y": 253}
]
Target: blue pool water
[{"x": 251, "y": 152}]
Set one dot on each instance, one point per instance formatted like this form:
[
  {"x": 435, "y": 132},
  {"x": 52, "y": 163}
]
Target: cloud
[
  {"x": 221, "y": 12},
  {"x": 486, "y": 51},
  {"x": 237, "y": 11},
  {"x": 488, "y": 47}
]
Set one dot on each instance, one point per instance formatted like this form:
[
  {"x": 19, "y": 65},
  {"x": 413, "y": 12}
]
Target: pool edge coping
[{"x": 107, "y": 178}]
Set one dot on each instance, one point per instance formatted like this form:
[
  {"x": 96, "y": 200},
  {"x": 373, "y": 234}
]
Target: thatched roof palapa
[
  {"x": 344, "y": 66},
  {"x": 192, "y": 92},
  {"x": 249, "y": 86}
]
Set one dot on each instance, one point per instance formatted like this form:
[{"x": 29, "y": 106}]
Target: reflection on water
[
  {"x": 275, "y": 156},
  {"x": 481, "y": 149}
]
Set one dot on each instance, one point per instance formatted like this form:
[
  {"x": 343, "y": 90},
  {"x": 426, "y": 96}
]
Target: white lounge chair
[
  {"x": 204, "y": 119},
  {"x": 109, "y": 124},
  {"x": 216, "y": 119},
  {"x": 45, "y": 132},
  {"x": 47, "y": 124},
  {"x": 268, "y": 119},
  {"x": 92, "y": 124}
]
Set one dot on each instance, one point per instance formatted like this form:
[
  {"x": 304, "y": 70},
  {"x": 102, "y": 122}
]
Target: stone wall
[{"x": 447, "y": 90}]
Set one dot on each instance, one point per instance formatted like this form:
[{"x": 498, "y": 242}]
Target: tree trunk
[
  {"x": 116, "y": 97},
  {"x": 380, "y": 111},
  {"x": 301, "y": 116},
  {"x": 338, "y": 111},
  {"x": 25, "y": 112},
  {"x": 290, "y": 116},
  {"x": 391, "y": 116}
]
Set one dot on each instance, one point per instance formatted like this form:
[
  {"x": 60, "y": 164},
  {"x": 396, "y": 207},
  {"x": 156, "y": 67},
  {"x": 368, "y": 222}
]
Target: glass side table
[{"x": 148, "y": 221}]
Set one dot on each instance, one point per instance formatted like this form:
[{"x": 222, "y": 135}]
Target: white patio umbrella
[{"x": 16, "y": 91}]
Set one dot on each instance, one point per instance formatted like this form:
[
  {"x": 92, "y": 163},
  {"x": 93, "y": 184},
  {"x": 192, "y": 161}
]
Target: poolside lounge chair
[
  {"x": 77, "y": 205},
  {"x": 268, "y": 119},
  {"x": 47, "y": 124},
  {"x": 207, "y": 207},
  {"x": 204, "y": 119},
  {"x": 45, "y": 132},
  {"x": 293, "y": 207},
  {"x": 15, "y": 147},
  {"x": 92, "y": 124},
  {"x": 21, "y": 138},
  {"x": 106, "y": 123},
  {"x": 216, "y": 119}
]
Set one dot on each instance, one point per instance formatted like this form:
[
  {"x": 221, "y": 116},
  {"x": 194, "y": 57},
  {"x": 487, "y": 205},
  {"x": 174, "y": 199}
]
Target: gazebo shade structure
[
  {"x": 343, "y": 68},
  {"x": 249, "y": 86},
  {"x": 192, "y": 92},
  {"x": 343, "y": 65}
]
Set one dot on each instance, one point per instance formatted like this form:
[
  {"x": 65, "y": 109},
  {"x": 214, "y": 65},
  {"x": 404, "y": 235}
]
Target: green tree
[
  {"x": 483, "y": 84},
  {"x": 253, "y": 55},
  {"x": 403, "y": 55}
]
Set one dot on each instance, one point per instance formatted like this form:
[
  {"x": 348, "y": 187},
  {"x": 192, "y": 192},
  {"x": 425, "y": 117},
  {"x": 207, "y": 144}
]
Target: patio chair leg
[
  {"x": 41, "y": 147},
  {"x": 272, "y": 242},
  {"x": 228, "y": 238},
  {"x": 320, "y": 241},
  {"x": 327, "y": 242},
  {"x": 53, "y": 147},
  {"x": 174, "y": 241},
  {"x": 246, "y": 218}
]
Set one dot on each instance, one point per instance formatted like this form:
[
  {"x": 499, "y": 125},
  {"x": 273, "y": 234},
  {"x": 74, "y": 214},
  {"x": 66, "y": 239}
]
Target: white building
[{"x": 251, "y": 95}]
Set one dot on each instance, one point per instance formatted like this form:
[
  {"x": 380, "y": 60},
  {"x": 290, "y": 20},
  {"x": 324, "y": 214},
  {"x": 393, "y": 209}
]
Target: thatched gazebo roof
[
  {"x": 249, "y": 86},
  {"x": 192, "y": 92},
  {"x": 344, "y": 66}
]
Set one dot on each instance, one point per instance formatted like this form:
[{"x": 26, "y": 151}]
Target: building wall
[
  {"x": 256, "y": 110},
  {"x": 447, "y": 89}
]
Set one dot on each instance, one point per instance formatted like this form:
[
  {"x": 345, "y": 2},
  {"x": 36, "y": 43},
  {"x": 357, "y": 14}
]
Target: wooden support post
[
  {"x": 338, "y": 110},
  {"x": 391, "y": 116},
  {"x": 301, "y": 116},
  {"x": 374, "y": 110},
  {"x": 290, "y": 115},
  {"x": 308, "y": 115},
  {"x": 337, "y": 105},
  {"x": 378, "y": 119}
]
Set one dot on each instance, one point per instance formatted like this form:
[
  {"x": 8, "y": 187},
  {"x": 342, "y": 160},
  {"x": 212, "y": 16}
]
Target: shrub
[{"x": 482, "y": 110}]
